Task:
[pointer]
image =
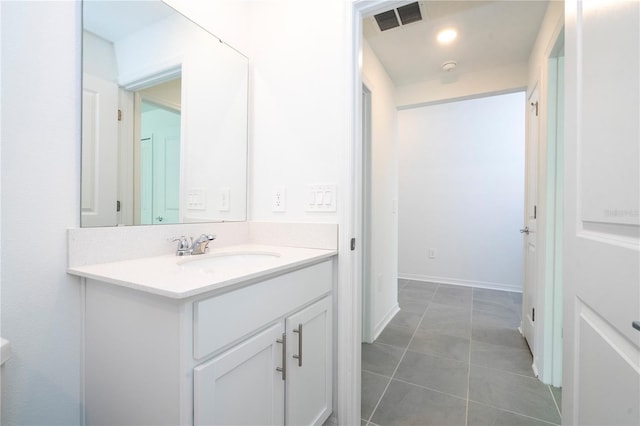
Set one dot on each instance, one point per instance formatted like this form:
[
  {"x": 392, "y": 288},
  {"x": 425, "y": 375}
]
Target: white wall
[
  {"x": 384, "y": 190},
  {"x": 299, "y": 95},
  {"x": 452, "y": 85},
  {"x": 461, "y": 181},
  {"x": 40, "y": 190}
]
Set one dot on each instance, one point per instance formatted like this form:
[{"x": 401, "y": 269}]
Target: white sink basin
[{"x": 242, "y": 259}]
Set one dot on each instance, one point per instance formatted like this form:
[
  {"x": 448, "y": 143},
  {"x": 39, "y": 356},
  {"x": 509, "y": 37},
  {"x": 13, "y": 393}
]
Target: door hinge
[
  {"x": 118, "y": 205},
  {"x": 533, "y": 314},
  {"x": 119, "y": 115},
  {"x": 535, "y": 105},
  {"x": 353, "y": 244}
]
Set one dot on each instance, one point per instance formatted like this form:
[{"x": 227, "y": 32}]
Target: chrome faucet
[
  {"x": 198, "y": 246},
  {"x": 201, "y": 245}
]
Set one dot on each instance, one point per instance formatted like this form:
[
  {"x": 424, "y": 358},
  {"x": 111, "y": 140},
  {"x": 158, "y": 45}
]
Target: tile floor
[{"x": 453, "y": 356}]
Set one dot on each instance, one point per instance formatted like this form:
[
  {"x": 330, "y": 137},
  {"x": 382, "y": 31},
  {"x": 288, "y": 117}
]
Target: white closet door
[{"x": 602, "y": 223}]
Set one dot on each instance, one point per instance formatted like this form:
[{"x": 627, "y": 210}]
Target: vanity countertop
[{"x": 180, "y": 277}]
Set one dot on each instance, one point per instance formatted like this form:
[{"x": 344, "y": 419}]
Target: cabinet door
[
  {"x": 242, "y": 386},
  {"x": 309, "y": 365}
]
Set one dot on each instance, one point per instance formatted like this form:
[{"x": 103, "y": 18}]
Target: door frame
[
  {"x": 547, "y": 353},
  {"x": 349, "y": 293},
  {"x": 350, "y": 262},
  {"x": 368, "y": 295}
]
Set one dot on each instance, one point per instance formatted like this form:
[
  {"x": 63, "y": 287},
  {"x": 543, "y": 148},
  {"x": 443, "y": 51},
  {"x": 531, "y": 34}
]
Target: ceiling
[
  {"x": 113, "y": 20},
  {"x": 490, "y": 34}
]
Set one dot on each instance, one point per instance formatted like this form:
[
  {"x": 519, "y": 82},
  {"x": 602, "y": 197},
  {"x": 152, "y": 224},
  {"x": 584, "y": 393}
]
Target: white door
[
  {"x": 166, "y": 175},
  {"x": 309, "y": 366},
  {"x": 99, "y": 151},
  {"x": 159, "y": 165},
  {"x": 242, "y": 386},
  {"x": 529, "y": 231},
  {"x": 602, "y": 224}
]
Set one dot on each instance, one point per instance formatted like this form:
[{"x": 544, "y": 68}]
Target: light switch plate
[
  {"x": 224, "y": 201},
  {"x": 196, "y": 199},
  {"x": 321, "y": 198}
]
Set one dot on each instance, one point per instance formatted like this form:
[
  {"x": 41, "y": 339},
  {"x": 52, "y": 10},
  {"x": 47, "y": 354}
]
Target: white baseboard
[
  {"x": 385, "y": 320},
  {"x": 466, "y": 283}
]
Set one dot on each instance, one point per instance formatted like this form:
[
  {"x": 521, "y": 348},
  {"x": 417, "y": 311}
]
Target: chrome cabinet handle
[
  {"x": 283, "y": 369},
  {"x": 636, "y": 325},
  {"x": 299, "y": 356},
  {"x": 159, "y": 218},
  {"x": 525, "y": 230}
]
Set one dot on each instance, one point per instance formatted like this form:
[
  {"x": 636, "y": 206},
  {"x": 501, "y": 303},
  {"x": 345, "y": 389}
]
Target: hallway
[{"x": 453, "y": 356}]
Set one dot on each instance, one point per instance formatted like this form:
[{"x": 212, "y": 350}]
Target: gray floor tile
[
  {"x": 505, "y": 358},
  {"x": 405, "y": 404},
  {"x": 442, "y": 374},
  {"x": 511, "y": 309},
  {"x": 406, "y": 319},
  {"x": 507, "y": 391},
  {"x": 517, "y": 298},
  {"x": 422, "y": 296},
  {"x": 441, "y": 345},
  {"x": 557, "y": 395},
  {"x": 498, "y": 335},
  {"x": 363, "y": 422},
  {"x": 451, "y": 320},
  {"x": 482, "y": 415},
  {"x": 395, "y": 336},
  {"x": 500, "y": 318},
  {"x": 494, "y": 296},
  {"x": 453, "y": 295},
  {"x": 421, "y": 285},
  {"x": 373, "y": 386},
  {"x": 408, "y": 305},
  {"x": 381, "y": 359}
]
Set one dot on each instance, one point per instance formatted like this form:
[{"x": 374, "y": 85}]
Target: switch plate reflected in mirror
[{"x": 164, "y": 118}]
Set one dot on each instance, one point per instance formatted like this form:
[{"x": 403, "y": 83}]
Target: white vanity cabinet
[
  {"x": 215, "y": 358},
  {"x": 247, "y": 384}
]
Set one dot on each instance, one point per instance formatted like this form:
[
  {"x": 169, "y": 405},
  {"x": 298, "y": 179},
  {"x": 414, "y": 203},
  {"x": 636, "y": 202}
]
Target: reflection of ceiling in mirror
[{"x": 113, "y": 20}]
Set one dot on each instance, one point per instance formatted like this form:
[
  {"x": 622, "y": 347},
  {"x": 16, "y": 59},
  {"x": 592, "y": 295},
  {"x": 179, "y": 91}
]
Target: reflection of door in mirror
[
  {"x": 159, "y": 164},
  {"x": 99, "y": 151},
  {"x": 157, "y": 154}
]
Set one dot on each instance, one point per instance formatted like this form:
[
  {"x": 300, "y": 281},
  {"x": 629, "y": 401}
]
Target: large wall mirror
[{"x": 164, "y": 118}]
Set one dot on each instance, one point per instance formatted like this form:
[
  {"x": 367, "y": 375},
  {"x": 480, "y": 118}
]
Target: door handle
[
  {"x": 299, "y": 356},
  {"x": 525, "y": 230},
  {"x": 636, "y": 325},
  {"x": 283, "y": 369}
]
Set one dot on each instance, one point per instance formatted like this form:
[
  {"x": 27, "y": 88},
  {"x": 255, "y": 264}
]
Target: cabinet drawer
[{"x": 222, "y": 320}]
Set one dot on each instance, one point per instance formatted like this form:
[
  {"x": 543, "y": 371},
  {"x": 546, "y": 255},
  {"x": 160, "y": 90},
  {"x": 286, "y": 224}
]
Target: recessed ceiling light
[{"x": 447, "y": 36}]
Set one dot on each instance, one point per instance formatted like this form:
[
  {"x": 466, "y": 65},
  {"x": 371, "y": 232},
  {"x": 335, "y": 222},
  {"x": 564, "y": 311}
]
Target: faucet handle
[{"x": 183, "y": 245}]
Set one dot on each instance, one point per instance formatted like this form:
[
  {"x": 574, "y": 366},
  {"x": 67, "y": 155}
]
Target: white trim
[
  {"x": 466, "y": 283},
  {"x": 350, "y": 263},
  {"x": 386, "y": 320}
]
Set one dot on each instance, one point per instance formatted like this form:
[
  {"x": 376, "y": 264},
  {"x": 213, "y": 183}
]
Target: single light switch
[{"x": 224, "y": 201}]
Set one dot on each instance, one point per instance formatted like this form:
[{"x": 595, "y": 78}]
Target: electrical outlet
[
  {"x": 432, "y": 253},
  {"x": 278, "y": 199}
]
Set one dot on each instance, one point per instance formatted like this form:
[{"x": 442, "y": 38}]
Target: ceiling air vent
[
  {"x": 401, "y": 16},
  {"x": 387, "y": 20},
  {"x": 409, "y": 13}
]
